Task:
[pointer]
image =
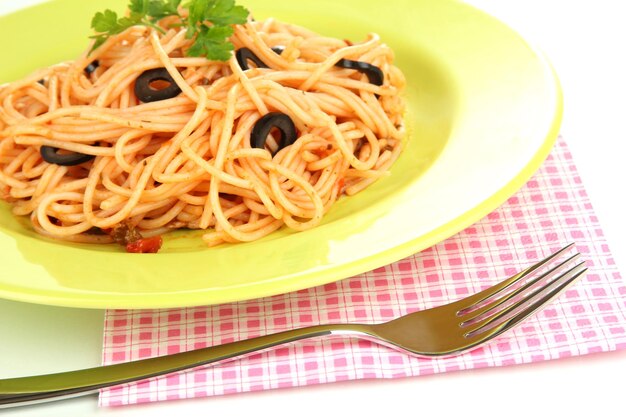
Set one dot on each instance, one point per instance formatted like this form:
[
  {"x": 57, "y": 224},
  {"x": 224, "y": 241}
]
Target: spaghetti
[{"x": 187, "y": 161}]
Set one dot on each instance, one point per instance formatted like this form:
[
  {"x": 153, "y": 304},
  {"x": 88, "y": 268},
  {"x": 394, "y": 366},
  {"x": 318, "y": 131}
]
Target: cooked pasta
[{"x": 81, "y": 153}]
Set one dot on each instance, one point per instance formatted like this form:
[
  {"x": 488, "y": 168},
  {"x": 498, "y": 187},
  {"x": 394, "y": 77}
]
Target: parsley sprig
[{"x": 209, "y": 23}]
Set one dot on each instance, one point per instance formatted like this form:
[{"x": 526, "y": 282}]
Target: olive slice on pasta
[
  {"x": 51, "y": 155},
  {"x": 374, "y": 74},
  {"x": 278, "y": 121},
  {"x": 278, "y": 49},
  {"x": 244, "y": 55},
  {"x": 92, "y": 67},
  {"x": 155, "y": 85}
]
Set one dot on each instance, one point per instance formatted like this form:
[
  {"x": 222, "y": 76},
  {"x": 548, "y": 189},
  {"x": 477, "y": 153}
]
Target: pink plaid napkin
[{"x": 551, "y": 210}]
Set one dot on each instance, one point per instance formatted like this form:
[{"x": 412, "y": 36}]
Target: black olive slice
[
  {"x": 278, "y": 49},
  {"x": 244, "y": 55},
  {"x": 270, "y": 121},
  {"x": 374, "y": 74},
  {"x": 146, "y": 93},
  {"x": 91, "y": 67},
  {"x": 51, "y": 155}
]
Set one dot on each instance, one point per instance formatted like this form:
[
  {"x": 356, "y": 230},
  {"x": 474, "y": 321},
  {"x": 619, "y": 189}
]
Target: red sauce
[{"x": 145, "y": 245}]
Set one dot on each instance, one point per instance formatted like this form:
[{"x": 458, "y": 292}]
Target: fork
[{"x": 445, "y": 330}]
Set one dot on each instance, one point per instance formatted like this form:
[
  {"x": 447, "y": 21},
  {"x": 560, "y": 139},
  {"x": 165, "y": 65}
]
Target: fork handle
[{"x": 43, "y": 388}]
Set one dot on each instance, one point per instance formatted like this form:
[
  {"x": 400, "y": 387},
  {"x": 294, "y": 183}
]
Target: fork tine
[
  {"x": 473, "y": 301},
  {"x": 536, "y": 301},
  {"x": 471, "y": 315}
]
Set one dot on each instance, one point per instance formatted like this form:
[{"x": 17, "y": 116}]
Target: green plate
[{"x": 484, "y": 112}]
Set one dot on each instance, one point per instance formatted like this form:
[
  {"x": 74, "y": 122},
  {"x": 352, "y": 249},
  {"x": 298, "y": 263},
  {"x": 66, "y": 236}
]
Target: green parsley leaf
[
  {"x": 126, "y": 22},
  {"x": 208, "y": 21},
  {"x": 159, "y": 9},
  {"x": 107, "y": 23},
  {"x": 139, "y": 6},
  {"x": 197, "y": 12},
  {"x": 212, "y": 43},
  {"x": 104, "y": 21},
  {"x": 225, "y": 12}
]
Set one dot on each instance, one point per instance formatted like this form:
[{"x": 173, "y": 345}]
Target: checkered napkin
[{"x": 551, "y": 210}]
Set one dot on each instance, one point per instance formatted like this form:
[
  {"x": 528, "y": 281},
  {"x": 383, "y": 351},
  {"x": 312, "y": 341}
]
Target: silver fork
[{"x": 445, "y": 330}]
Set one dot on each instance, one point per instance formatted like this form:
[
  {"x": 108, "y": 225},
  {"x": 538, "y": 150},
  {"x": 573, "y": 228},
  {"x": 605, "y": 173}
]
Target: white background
[{"x": 586, "y": 43}]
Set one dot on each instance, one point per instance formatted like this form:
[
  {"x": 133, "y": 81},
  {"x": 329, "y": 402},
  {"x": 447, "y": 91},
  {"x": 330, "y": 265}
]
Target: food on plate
[{"x": 197, "y": 116}]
